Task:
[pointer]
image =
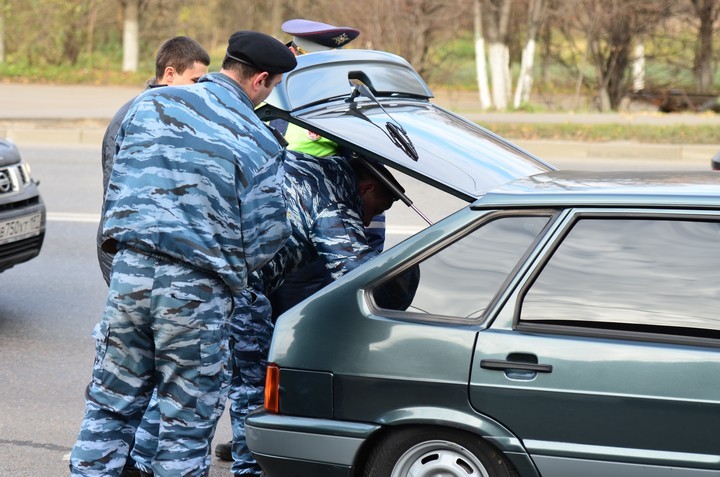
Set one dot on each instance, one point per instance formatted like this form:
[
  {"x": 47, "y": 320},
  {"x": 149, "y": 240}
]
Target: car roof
[
  {"x": 696, "y": 189},
  {"x": 453, "y": 153}
]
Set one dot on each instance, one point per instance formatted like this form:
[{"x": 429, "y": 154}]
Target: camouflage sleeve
[
  {"x": 339, "y": 238},
  {"x": 197, "y": 178},
  {"x": 263, "y": 206}
]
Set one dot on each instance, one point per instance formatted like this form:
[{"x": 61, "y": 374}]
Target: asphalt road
[{"x": 49, "y": 306}]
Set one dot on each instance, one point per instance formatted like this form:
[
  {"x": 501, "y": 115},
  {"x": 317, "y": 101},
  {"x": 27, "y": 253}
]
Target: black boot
[
  {"x": 133, "y": 472},
  {"x": 224, "y": 451}
]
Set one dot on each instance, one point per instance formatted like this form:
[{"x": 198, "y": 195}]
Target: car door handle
[{"x": 503, "y": 365}]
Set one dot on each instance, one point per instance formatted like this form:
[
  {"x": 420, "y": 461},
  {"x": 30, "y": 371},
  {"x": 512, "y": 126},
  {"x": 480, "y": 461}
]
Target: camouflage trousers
[
  {"x": 251, "y": 331},
  {"x": 164, "y": 328},
  {"x": 250, "y": 334}
]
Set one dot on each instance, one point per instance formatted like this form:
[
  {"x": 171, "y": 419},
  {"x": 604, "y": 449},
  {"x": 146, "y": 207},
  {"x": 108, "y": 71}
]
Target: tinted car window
[
  {"x": 649, "y": 275},
  {"x": 461, "y": 279}
]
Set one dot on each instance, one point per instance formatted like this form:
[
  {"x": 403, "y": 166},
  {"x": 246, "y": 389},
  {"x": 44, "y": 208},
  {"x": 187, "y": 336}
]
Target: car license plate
[{"x": 20, "y": 228}]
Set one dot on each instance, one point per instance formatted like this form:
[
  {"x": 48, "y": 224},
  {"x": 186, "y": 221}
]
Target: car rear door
[{"x": 606, "y": 361}]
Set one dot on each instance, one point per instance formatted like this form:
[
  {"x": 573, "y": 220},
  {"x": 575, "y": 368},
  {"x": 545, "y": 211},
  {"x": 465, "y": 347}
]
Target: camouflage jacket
[
  {"x": 325, "y": 213},
  {"x": 196, "y": 178}
]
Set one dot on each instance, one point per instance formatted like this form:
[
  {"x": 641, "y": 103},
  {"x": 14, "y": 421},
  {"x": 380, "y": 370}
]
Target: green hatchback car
[{"x": 564, "y": 323}]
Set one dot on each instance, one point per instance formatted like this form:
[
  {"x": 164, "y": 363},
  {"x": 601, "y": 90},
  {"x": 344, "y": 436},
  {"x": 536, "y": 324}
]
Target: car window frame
[
  {"x": 484, "y": 319},
  {"x": 575, "y": 215}
]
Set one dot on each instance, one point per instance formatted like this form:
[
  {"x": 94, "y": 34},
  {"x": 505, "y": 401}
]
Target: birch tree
[
  {"x": 131, "y": 29},
  {"x": 480, "y": 63},
  {"x": 527, "y": 62},
  {"x": 638, "y": 68},
  {"x": 497, "y": 22}
]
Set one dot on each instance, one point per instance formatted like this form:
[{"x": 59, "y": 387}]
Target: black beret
[{"x": 260, "y": 51}]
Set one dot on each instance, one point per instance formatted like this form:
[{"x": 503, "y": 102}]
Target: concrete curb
[
  {"x": 85, "y": 136},
  {"x": 53, "y": 131}
]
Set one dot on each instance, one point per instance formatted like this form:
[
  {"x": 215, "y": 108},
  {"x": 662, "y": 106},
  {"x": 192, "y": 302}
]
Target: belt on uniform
[
  {"x": 163, "y": 257},
  {"x": 167, "y": 258}
]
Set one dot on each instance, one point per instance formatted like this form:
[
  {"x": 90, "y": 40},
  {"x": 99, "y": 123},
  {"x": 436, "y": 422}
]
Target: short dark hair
[
  {"x": 244, "y": 70},
  {"x": 363, "y": 173},
  {"x": 180, "y": 52}
]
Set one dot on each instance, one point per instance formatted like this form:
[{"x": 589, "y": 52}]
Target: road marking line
[
  {"x": 95, "y": 218},
  {"x": 72, "y": 217}
]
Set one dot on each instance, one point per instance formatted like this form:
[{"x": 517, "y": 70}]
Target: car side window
[
  {"x": 461, "y": 279},
  {"x": 648, "y": 275}
]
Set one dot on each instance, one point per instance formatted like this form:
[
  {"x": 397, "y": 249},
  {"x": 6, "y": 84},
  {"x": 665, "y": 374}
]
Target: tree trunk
[
  {"x": 638, "y": 68},
  {"x": 581, "y": 75},
  {"x": 131, "y": 28},
  {"x": 480, "y": 64},
  {"x": 612, "y": 66},
  {"x": 419, "y": 36},
  {"x": 2, "y": 31},
  {"x": 707, "y": 12},
  {"x": 90, "y": 43},
  {"x": 617, "y": 67},
  {"x": 603, "y": 96},
  {"x": 525, "y": 78},
  {"x": 527, "y": 62},
  {"x": 498, "y": 52},
  {"x": 498, "y": 67}
]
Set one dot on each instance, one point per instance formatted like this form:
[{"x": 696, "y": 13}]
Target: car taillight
[{"x": 272, "y": 388}]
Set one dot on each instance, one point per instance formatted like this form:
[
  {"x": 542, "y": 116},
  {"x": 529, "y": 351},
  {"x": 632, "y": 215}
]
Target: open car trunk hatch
[{"x": 390, "y": 118}]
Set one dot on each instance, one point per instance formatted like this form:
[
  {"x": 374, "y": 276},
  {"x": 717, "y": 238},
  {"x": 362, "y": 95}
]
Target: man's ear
[
  {"x": 168, "y": 75},
  {"x": 261, "y": 80}
]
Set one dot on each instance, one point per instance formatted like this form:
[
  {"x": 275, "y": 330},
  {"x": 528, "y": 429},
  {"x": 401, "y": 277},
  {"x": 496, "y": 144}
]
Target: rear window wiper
[{"x": 394, "y": 129}]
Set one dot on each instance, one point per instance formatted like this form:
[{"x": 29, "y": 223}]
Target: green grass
[
  {"x": 677, "y": 134},
  {"x": 61, "y": 74}
]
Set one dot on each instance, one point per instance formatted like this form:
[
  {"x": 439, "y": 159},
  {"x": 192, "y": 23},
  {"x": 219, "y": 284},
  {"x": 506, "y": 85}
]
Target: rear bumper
[{"x": 294, "y": 446}]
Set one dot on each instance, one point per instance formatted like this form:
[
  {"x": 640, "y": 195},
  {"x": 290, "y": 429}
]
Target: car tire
[{"x": 431, "y": 451}]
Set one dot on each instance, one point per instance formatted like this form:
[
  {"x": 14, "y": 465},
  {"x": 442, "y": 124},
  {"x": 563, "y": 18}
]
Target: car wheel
[{"x": 432, "y": 452}]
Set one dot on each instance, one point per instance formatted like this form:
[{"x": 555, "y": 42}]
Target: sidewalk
[
  {"x": 78, "y": 115},
  {"x": 48, "y": 114},
  {"x": 28, "y": 102}
]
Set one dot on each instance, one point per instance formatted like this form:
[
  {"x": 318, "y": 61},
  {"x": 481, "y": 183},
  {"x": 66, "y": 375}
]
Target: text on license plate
[{"x": 20, "y": 227}]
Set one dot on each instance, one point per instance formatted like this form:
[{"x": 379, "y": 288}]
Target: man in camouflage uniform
[
  {"x": 330, "y": 200},
  {"x": 179, "y": 61},
  {"x": 307, "y": 37},
  {"x": 193, "y": 206}
]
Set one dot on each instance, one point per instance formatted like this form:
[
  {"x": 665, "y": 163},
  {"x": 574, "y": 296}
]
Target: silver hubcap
[{"x": 438, "y": 459}]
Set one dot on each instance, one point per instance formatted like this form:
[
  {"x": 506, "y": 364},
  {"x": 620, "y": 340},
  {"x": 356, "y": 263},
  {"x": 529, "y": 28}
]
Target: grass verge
[{"x": 675, "y": 134}]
